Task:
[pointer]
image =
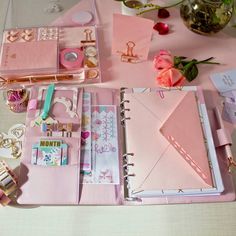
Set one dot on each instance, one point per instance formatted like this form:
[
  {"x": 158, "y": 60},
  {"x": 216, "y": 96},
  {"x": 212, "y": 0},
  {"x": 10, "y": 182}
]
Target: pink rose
[
  {"x": 163, "y": 60},
  {"x": 170, "y": 77}
]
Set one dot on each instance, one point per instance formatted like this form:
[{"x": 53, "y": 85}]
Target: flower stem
[{"x": 207, "y": 61}]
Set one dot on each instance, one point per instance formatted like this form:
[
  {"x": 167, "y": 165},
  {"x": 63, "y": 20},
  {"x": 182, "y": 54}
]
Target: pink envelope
[
  {"x": 184, "y": 132},
  {"x": 131, "y": 37}
]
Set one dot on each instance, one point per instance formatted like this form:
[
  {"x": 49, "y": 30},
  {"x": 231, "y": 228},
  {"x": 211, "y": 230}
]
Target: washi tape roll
[{"x": 71, "y": 58}]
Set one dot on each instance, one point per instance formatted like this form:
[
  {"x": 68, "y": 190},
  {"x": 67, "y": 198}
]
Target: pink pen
[{"x": 227, "y": 146}]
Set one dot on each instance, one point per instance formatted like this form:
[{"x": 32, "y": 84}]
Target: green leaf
[
  {"x": 190, "y": 71},
  {"x": 227, "y": 2},
  {"x": 178, "y": 62}
]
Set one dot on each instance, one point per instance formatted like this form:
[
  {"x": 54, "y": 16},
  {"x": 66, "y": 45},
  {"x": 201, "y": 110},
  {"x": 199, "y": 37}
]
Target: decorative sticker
[
  {"x": 49, "y": 153},
  {"x": 86, "y": 141}
]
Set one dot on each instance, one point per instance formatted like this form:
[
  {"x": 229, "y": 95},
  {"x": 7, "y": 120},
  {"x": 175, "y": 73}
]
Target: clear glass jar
[{"x": 206, "y": 16}]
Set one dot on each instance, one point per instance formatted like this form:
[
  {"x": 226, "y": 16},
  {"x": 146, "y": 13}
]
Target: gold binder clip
[
  {"x": 50, "y": 128},
  {"x": 65, "y": 128}
]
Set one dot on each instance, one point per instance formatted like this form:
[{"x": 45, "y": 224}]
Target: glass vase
[{"x": 206, "y": 16}]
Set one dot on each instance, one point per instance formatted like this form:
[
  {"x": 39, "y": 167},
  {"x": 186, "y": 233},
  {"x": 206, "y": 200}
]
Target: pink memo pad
[
  {"x": 131, "y": 29},
  {"x": 36, "y": 56}
]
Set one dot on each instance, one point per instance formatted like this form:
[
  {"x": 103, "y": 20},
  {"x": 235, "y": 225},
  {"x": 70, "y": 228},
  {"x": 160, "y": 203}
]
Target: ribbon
[{"x": 48, "y": 100}]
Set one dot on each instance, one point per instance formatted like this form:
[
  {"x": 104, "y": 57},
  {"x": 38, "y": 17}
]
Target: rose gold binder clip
[
  {"x": 49, "y": 129},
  {"x": 129, "y": 55},
  {"x": 88, "y": 38},
  {"x": 65, "y": 128}
]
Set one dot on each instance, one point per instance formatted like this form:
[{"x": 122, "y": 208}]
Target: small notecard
[
  {"x": 224, "y": 81},
  {"x": 49, "y": 153},
  {"x": 131, "y": 37}
]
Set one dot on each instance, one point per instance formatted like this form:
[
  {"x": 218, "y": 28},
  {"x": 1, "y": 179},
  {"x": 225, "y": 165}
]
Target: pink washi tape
[{"x": 71, "y": 58}]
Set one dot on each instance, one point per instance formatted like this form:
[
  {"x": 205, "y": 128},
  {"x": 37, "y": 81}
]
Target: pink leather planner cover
[{"x": 62, "y": 184}]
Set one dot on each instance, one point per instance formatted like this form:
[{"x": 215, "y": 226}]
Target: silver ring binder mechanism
[{"x": 127, "y": 155}]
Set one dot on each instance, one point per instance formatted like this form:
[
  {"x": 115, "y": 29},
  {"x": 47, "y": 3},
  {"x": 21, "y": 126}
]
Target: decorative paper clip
[
  {"x": 11, "y": 142},
  {"x": 27, "y": 35},
  {"x": 12, "y": 36}
]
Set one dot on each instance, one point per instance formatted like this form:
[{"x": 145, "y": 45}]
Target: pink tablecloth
[{"x": 180, "y": 41}]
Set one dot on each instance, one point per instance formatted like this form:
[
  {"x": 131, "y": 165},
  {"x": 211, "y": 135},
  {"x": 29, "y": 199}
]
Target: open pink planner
[{"x": 114, "y": 147}]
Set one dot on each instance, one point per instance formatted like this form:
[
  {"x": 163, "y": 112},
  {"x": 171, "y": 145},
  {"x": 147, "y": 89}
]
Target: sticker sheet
[
  {"x": 86, "y": 140},
  {"x": 224, "y": 81},
  {"x": 105, "y": 153}
]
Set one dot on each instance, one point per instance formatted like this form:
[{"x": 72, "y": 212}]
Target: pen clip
[
  {"x": 231, "y": 163},
  {"x": 47, "y": 102}
]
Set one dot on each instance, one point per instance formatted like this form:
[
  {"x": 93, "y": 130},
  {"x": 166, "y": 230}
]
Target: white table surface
[{"x": 193, "y": 219}]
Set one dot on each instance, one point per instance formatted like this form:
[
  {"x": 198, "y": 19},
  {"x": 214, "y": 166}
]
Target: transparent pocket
[{"x": 48, "y": 184}]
